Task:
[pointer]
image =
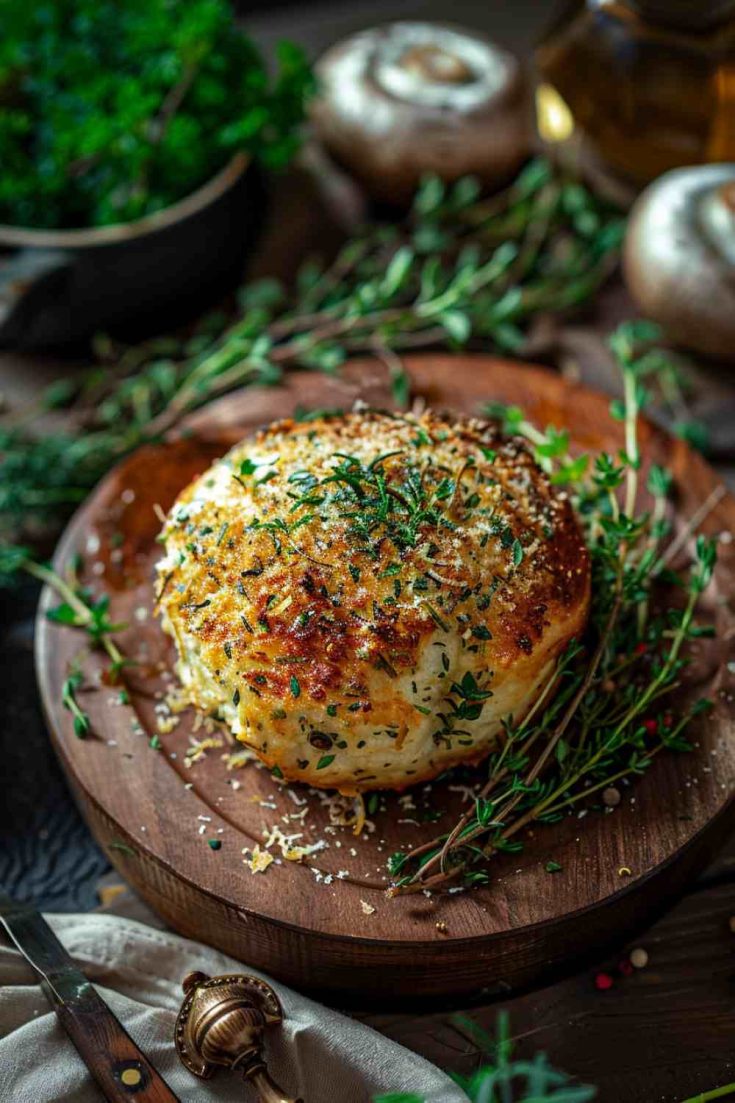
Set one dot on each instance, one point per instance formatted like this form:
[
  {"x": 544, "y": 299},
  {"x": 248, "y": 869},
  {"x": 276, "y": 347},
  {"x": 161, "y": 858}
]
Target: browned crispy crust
[{"x": 323, "y": 648}]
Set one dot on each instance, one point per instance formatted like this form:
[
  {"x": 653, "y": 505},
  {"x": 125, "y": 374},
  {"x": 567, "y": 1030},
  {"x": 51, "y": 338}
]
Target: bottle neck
[{"x": 685, "y": 15}]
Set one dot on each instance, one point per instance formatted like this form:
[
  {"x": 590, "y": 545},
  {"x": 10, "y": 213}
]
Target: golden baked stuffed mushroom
[{"x": 364, "y": 598}]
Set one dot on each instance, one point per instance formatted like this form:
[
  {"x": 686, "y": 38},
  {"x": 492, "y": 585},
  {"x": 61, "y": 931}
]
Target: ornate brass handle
[{"x": 221, "y": 1023}]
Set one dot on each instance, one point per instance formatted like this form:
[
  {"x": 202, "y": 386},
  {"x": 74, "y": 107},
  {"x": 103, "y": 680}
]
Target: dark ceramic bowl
[{"x": 60, "y": 287}]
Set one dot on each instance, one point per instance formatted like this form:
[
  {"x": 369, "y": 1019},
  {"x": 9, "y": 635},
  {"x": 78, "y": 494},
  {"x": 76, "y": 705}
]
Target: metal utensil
[
  {"x": 123, "y": 1073},
  {"x": 221, "y": 1023}
]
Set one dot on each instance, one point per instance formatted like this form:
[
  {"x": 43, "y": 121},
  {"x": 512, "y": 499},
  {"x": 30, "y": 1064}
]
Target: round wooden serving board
[{"x": 326, "y": 924}]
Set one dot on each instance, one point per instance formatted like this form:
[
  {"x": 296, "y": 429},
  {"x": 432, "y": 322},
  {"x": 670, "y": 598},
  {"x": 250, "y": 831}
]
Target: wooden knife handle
[{"x": 123, "y": 1073}]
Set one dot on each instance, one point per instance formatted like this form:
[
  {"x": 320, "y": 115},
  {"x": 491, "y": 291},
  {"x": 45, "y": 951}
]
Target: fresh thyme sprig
[
  {"x": 602, "y": 716},
  {"x": 77, "y": 609},
  {"x": 519, "y": 1080},
  {"x": 457, "y": 269},
  {"x": 73, "y": 682},
  {"x": 503, "y": 1076}
]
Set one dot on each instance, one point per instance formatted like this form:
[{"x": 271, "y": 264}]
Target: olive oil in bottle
[{"x": 631, "y": 88}]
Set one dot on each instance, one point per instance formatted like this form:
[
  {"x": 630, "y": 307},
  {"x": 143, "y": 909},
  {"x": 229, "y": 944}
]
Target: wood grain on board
[{"x": 311, "y": 924}]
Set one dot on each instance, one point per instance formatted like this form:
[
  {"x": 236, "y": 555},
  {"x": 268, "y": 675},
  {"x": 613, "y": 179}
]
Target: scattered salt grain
[{"x": 639, "y": 958}]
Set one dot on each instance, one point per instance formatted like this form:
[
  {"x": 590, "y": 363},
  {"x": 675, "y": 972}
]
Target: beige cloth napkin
[{"x": 323, "y": 1056}]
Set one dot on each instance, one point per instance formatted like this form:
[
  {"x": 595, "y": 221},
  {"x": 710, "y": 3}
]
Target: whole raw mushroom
[
  {"x": 407, "y": 99},
  {"x": 679, "y": 257}
]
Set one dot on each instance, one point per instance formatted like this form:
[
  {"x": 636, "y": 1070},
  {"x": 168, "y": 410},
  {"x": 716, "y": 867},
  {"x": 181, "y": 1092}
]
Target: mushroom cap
[
  {"x": 399, "y": 101},
  {"x": 679, "y": 257}
]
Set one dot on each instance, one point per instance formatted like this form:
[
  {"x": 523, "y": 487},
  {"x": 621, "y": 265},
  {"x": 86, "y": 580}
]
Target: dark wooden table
[{"x": 660, "y": 1035}]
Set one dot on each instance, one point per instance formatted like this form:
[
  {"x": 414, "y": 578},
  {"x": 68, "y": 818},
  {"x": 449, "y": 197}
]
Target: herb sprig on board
[
  {"x": 77, "y": 608},
  {"x": 457, "y": 269},
  {"x": 603, "y": 715}
]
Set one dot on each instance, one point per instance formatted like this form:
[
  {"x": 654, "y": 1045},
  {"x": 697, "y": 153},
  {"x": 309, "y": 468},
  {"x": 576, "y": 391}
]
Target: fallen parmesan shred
[
  {"x": 166, "y": 724},
  {"x": 198, "y": 750},
  {"x": 359, "y": 815},
  {"x": 343, "y": 810},
  {"x": 287, "y": 844},
  {"x": 259, "y": 860},
  {"x": 237, "y": 759}
]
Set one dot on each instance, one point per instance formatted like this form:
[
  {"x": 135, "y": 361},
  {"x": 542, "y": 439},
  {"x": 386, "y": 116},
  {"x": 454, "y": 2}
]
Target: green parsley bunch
[{"x": 113, "y": 109}]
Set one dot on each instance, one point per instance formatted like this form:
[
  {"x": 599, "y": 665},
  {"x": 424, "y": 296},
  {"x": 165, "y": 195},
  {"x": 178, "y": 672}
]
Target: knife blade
[{"x": 123, "y": 1073}]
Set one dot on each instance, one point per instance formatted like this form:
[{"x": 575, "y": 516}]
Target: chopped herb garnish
[
  {"x": 266, "y": 478},
  {"x": 435, "y": 616}
]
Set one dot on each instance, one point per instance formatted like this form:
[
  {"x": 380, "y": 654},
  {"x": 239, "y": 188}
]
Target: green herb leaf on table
[{"x": 501, "y": 1076}]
